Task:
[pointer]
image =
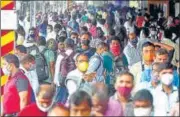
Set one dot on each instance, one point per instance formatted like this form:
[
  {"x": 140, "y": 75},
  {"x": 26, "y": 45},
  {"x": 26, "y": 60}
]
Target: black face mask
[
  {"x": 100, "y": 34},
  {"x": 85, "y": 42}
]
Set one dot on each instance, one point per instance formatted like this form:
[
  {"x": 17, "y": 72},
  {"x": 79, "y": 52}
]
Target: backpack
[
  {"x": 41, "y": 66},
  {"x": 66, "y": 66}
]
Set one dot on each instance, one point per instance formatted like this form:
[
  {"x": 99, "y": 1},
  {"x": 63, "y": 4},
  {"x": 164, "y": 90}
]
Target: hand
[{"x": 89, "y": 77}]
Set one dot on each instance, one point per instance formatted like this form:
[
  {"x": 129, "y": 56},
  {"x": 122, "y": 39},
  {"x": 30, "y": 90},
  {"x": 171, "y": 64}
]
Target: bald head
[
  {"x": 46, "y": 91},
  {"x": 59, "y": 110}
]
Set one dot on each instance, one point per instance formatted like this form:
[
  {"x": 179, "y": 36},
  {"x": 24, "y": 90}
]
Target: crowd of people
[{"x": 106, "y": 61}]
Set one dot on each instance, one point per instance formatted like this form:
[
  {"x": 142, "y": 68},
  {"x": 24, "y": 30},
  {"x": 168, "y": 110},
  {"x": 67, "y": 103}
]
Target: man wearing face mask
[
  {"x": 153, "y": 34},
  {"x": 30, "y": 41},
  {"x": 20, "y": 51},
  {"x": 17, "y": 90},
  {"x": 76, "y": 76},
  {"x": 44, "y": 102},
  {"x": 124, "y": 85},
  {"x": 143, "y": 103},
  {"x": 85, "y": 46},
  {"x": 141, "y": 70},
  {"x": 119, "y": 58},
  {"x": 74, "y": 36},
  {"x": 50, "y": 33},
  {"x": 166, "y": 94},
  {"x": 154, "y": 81},
  {"x": 161, "y": 19},
  {"x": 144, "y": 33},
  {"x": 57, "y": 31},
  {"x": 132, "y": 50},
  {"x": 100, "y": 38},
  {"x": 49, "y": 56},
  {"x": 28, "y": 66},
  {"x": 102, "y": 105},
  {"x": 96, "y": 64},
  {"x": 65, "y": 63},
  {"x": 162, "y": 56}
]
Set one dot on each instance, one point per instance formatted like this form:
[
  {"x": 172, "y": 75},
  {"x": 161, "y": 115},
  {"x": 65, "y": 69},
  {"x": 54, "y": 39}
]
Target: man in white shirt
[
  {"x": 132, "y": 50},
  {"x": 50, "y": 33},
  {"x": 82, "y": 66},
  {"x": 166, "y": 94},
  {"x": 58, "y": 79},
  {"x": 148, "y": 52}
]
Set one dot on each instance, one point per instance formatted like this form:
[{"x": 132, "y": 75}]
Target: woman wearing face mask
[{"x": 143, "y": 103}]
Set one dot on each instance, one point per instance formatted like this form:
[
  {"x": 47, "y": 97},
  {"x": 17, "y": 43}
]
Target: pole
[
  {"x": 34, "y": 14},
  {"x": 30, "y": 12}
]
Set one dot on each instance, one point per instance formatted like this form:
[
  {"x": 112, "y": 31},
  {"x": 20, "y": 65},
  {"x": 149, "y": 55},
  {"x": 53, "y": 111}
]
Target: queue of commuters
[{"x": 101, "y": 63}]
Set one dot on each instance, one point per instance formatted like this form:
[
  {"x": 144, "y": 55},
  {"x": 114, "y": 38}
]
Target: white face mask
[
  {"x": 153, "y": 32},
  {"x": 142, "y": 111},
  {"x": 44, "y": 109},
  {"x": 6, "y": 71},
  {"x": 167, "y": 79}
]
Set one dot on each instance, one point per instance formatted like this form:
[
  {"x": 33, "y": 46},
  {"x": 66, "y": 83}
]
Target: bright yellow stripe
[
  {"x": 9, "y": 37},
  {"x": 4, "y": 80},
  {"x": 4, "y": 3}
]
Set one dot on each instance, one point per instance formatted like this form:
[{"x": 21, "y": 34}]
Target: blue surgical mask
[{"x": 134, "y": 41}]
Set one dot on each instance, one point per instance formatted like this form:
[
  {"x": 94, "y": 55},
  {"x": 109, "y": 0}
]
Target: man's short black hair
[
  {"x": 61, "y": 39},
  {"x": 164, "y": 66},
  {"x": 94, "y": 22},
  {"x": 112, "y": 32},
  {"x": 86, "y": 33},
  {"x": 143, "y": 95},
  {"x": 69, "y": 43},
  {"x": 11, "y": 58},
  {"x": 74, "y": 33},
  {"x": 41, "y": 41},
  {"x": 102, "y": 21},
  {"x": 145, "y": 31},
  {"x": 114, "y": 38},
  {"x": 58, "y": 26},
  {"x": 32, "y": 29},
  {"x": 80, "y": 96},
  {"x": 84, "y": 28},
  {"x": 125, "y": 73},
  {"x": 146, "y": 44},
  {"x": 21, "y": 48}
]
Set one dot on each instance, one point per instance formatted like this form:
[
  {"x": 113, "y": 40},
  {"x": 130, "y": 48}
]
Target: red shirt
[
  {"x": 32, "y": 110},
  {"x": 139, "y": 21}
]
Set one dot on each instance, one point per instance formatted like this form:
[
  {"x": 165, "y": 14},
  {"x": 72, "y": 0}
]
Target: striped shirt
[{"x": 132, "y": 54}]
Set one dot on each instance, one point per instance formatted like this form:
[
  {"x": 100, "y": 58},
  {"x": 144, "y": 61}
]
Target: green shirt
[{"x": 50, "y": 57}]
